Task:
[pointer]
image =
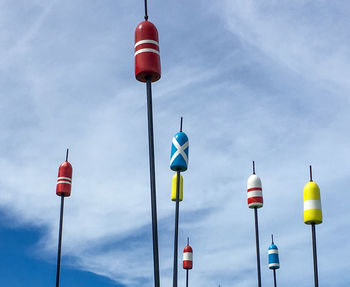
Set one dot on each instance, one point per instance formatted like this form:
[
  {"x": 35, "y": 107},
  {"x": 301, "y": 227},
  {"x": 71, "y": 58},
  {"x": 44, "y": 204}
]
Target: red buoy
[
  {"x": 188, "y": 257},
  {"x": 147, "y": 57},
  {"x": 64, "y": 180}
]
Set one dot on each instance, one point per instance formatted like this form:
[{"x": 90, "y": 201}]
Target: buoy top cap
[
  {"x": 311, "y": 189},
  {"x": 146, "y": 30},
  {"x": 273, "y": 246},
  {"x": 254, "y": 181},
  {"x": 66, "y": 164},
  {"x": 181, "y": 137},
  {"x": 188, "y": 249}
]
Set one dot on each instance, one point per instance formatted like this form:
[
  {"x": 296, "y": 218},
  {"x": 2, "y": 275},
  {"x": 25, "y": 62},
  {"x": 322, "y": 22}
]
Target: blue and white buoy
[
  {"x": 274, "y": 262},
  {"x": 179, "y": 152}
]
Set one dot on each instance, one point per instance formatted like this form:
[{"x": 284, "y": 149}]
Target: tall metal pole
[
  {"x": 153, "y": 184},
  {"x": 186, "y": 277},
  {"x": 257, "y": 246},
  {"x": 314, "y": 253},
  {"x": 59, "y": 243},
  {"x": 274, "y": 278},
  {"x": 176, "y": 235}
]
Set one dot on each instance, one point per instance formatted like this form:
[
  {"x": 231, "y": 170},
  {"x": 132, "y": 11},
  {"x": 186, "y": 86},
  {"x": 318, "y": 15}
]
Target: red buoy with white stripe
[
  {"x": 188, "y": 257},
  {"x": 147, "y": 57},
  {"x": 64, "y": 180}
]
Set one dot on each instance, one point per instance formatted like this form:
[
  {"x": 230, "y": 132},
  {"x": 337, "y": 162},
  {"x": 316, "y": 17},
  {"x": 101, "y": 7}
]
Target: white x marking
[{"x": 180, "y": 150}]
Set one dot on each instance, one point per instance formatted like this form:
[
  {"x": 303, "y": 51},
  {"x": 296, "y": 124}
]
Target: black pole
[
  {"x": 315, "y": 253},
  {"x": 59, "y": 243},
  {"x": 257, "y": 245},
  {"x": 153, "y": 184},
  {"x": 146, "y": 15},
  {"x": 274, "y": 278},
  {"x": 176, "y": 236}
]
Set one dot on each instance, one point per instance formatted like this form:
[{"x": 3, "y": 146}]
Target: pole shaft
[
  {"x": 186, "y": 277},
  {"x": 274, "y": 278},
  {"x": 315, "y": 253},
  {"x": 153, "y": 184},
  {"x": 176, "y": 236},
  {"x": 59, "y": 243},
  {"x": 257, "y": 246}
]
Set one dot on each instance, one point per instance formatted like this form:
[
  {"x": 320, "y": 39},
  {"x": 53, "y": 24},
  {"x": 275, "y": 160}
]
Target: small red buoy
[
  {"x": 147, "y": 57},
  {"x": 188, "y": 257},
  {"x": 64, "y": 180}
]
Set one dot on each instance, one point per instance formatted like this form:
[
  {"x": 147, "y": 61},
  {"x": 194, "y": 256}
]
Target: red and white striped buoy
[
  {"x": 64, "y": 180},
  {"x": 147, "y": 57},
  {"x": 254, "y": 192},
  {"x": 188, "y": 257}
]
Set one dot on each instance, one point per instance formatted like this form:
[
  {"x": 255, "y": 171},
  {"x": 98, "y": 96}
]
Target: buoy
[
  {"x": 64, "y": 179},
  {"x": 179, "y": 152},
  {"x": 254, "y": 192},
  {"x": 312, "y": 203},
  {"x": 147, "y": 57},
  {"x": 255, "y": 200},
  {"x": 148, "y": 70},
  {"x": 274, "y": 262},
  {"x": 313, "y": 215},
  {"x": 188, "y": 257},
  {"x": 173, "y": 188},
  {"x": 63, "y": 189}
]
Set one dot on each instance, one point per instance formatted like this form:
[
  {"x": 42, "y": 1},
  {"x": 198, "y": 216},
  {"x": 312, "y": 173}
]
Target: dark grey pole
[
  {"x": 274, "y": 278},
  {"x": 59, "y": 243},
  {"x": 257, "y": 246},
  {"x": 153, "y": 184},
  {"x": 315, "y": 253},
  {"x": 186, "y": 277},
  {"x": 176, "y": 236}
]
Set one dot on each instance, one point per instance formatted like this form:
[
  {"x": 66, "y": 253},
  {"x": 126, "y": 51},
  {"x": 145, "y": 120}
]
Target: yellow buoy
[
  {"x": 312, "y": 204},
  {"x": 173, "y": 188}
]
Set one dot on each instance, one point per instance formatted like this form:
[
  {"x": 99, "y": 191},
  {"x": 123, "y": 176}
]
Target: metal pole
[
  {"x": 257, "y": 245},
  {"x": 176, "y": 236},
  {"x": 274, "y": 278},
  {"x": 186, "y": 277},
  {"x": 59, "y": 244},
  {"x": 153, "y": 184},
  {"x": 314, "y": 252}
]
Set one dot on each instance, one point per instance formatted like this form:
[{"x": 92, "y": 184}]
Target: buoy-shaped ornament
[
  {"x": 173, "y": 188},
  {"x": 274, "y": 262},
  {"x": 147, "y": 57},
  {"x": 179, "y": 152},
  {"x": 312, "y": 203},
  {"x": 254, "y": 192},
  {"x": 188, "y": 257},
  {"x": 64, "y": 180}
]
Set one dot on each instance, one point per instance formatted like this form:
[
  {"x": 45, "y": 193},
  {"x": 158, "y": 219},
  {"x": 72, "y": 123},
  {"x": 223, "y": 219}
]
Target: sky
[{"x": 254, "y": 80}]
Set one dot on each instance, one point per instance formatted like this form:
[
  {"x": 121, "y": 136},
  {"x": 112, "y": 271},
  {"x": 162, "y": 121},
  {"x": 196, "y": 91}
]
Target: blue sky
[{"x": 254, "y": 80}]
